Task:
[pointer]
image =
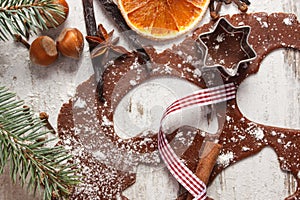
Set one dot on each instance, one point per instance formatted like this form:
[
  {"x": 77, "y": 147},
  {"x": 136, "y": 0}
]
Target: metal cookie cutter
[{"x": 226, "y": 47}]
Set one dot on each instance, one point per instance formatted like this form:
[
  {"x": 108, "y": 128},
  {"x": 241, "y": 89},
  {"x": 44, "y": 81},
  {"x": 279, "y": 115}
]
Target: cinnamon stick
[{"x": 206, "y": 163}]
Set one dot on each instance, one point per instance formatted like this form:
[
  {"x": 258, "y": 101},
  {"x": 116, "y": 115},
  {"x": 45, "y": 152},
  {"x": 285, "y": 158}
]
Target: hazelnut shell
[
  {"x": 43, "y": 51},
  {"x": 58, "y": 18},
  {"x": 70, "y": 42}
]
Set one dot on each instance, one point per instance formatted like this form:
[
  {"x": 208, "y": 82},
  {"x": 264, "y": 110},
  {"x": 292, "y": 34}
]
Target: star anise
[
  {"x": 214, "y": 10},
  {"x": 105, "y": 43}
]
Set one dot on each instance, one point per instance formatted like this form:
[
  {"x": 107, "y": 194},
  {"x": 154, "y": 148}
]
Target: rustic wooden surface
[{"x": 271, "y": 97}]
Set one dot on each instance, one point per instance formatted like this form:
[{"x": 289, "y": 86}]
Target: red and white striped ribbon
[{"x": 178, "y": 169}]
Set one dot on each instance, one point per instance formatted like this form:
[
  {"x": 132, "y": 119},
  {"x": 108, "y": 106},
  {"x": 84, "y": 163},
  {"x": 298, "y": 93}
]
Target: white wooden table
[{"x": 261, "y": 98}]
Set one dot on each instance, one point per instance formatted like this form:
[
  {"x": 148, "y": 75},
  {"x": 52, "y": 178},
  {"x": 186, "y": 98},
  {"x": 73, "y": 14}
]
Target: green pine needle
[
  {"x": 24, "y": 17},
  {"x": 22, "y": 143}
]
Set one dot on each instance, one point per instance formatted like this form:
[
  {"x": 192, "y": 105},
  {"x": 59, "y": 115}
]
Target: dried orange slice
[{"x": 162, "y": 19}]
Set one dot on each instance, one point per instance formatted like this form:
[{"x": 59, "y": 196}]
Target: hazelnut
[
  {"x": 43, "y": 51},
  {"x": 70, "y": 42},
  {"x": 59, "y": 19}
]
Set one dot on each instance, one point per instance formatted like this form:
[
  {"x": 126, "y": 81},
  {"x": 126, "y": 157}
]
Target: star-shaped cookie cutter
[{"x": 224, "y": 40}]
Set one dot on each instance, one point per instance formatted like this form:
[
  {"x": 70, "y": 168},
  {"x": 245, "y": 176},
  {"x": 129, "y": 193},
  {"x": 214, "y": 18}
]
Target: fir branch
[
  {"x": 24, "y": 17},
  {"x": 21, "y": 146}
]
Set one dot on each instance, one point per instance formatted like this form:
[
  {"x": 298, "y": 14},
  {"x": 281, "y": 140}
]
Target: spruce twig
[
  {"x": 25, "y": 17},
  {"x": 30, "y": 161}
]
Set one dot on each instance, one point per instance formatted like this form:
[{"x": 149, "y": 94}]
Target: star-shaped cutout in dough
[{"x": 224, "y": 41}]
